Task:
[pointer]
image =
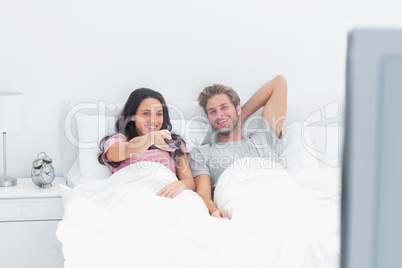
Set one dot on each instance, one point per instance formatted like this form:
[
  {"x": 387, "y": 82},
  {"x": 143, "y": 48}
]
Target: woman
[{"x": 142, "y": 128}]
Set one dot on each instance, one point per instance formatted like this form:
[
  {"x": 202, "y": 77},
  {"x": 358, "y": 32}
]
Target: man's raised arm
[{"x": 273, "y": 96}]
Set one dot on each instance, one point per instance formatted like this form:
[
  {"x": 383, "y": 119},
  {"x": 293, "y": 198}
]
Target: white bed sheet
[
  {"x": 294, "y": 218},
  {"x": 120, "y": 222}
]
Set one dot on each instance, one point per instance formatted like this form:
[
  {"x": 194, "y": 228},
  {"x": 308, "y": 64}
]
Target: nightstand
[{"x": 29, "y": 217}]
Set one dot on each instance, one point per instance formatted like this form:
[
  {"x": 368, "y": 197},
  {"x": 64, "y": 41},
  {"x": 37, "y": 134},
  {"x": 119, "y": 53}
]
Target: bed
[{"x": 281, "y": 215}]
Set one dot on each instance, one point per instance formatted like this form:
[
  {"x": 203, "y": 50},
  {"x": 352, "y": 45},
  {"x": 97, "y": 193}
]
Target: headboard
[{"x": 312, "y": 112}]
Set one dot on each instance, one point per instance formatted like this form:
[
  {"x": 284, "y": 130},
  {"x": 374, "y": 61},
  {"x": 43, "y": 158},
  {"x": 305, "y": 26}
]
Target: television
[{"x": 372, "y": 169}]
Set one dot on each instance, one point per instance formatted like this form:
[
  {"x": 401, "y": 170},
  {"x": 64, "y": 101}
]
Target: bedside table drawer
[
  {"x": 31, "y": 209},
  {"x": 29, "y": 244}
]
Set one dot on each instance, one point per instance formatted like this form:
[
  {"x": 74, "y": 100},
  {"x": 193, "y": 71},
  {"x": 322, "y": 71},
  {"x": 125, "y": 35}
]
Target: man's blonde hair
[{"x": 217, "y": 89}]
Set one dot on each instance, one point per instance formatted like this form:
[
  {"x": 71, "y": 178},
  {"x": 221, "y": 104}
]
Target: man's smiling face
[{"x": 222, "y": 114}]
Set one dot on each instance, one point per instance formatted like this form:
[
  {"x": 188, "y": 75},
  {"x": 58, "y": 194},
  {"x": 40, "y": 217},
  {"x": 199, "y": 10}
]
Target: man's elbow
[{"x": 281, "y": 82}]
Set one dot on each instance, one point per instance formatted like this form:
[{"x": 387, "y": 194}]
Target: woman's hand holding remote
[{"x": 158, "y": 139}]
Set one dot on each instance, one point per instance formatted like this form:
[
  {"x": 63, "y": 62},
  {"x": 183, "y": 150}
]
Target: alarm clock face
[{"x": 47, "y": 173}]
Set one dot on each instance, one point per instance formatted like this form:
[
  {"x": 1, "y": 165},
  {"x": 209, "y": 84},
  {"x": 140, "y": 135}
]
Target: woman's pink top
[{"x": 154, "y": 155}]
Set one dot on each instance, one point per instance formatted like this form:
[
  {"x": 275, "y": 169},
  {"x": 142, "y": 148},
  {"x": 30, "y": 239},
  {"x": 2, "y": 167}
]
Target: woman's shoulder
[
  {"x": 118, "y": 136},
  {"x": 184, "y": 148}
]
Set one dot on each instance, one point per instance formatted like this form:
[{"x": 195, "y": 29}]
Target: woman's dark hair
[{"x": 126, "y": 126}]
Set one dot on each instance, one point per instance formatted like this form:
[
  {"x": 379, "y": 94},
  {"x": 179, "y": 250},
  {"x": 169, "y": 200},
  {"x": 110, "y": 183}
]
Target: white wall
[{"x": 55, "y": 51}]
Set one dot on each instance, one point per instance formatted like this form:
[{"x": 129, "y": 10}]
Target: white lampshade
[{"x": 11, "y": 111}]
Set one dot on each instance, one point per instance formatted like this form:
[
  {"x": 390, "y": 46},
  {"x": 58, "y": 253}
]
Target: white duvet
[{"x": 275, "y": 222}]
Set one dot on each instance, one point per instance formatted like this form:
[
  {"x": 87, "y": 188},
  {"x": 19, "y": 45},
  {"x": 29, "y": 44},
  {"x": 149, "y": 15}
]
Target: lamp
[{"x": 11, "y": 119}]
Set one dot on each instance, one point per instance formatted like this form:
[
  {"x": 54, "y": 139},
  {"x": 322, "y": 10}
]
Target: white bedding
[
  {"x": 120, "y": 222},
  {"x": 293, "y": 218}
]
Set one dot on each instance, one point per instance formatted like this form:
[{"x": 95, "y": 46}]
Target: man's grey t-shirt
[{"x": 213, "y": 159}]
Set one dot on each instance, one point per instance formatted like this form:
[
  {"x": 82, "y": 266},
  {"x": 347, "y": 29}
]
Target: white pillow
[
  {"x": 192, "y": 131},
  {"x": 326, "y": 144},
  {"x": 293, "y": 150},
  {"x": 74, "y": 174},
  {"x": 91, "y": 130}
]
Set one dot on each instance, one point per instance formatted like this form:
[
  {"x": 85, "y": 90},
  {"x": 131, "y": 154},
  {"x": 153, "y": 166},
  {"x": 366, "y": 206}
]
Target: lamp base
[{"x": 9, "y": 182}]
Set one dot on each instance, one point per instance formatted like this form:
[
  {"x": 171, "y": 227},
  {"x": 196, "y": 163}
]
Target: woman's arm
[
  {"x": 120, "y": 151},
  {"x": 185, "y": 176},
  {"x": 184, "y": 173}
]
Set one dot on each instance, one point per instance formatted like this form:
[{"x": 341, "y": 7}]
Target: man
[{"x": 222, "y": 106}]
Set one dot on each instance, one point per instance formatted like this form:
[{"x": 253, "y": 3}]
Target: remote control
[{"x": 173, "y": 144}]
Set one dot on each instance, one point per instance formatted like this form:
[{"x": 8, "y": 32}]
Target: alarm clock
[{"x": 42, "y": 172}]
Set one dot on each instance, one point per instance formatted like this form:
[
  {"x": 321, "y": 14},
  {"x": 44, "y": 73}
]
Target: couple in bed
[{"x": 143, "y": 134}]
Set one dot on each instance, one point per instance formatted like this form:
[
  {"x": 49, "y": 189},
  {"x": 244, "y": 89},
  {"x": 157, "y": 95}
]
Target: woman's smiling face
[{"x": 149, "y": 116}]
